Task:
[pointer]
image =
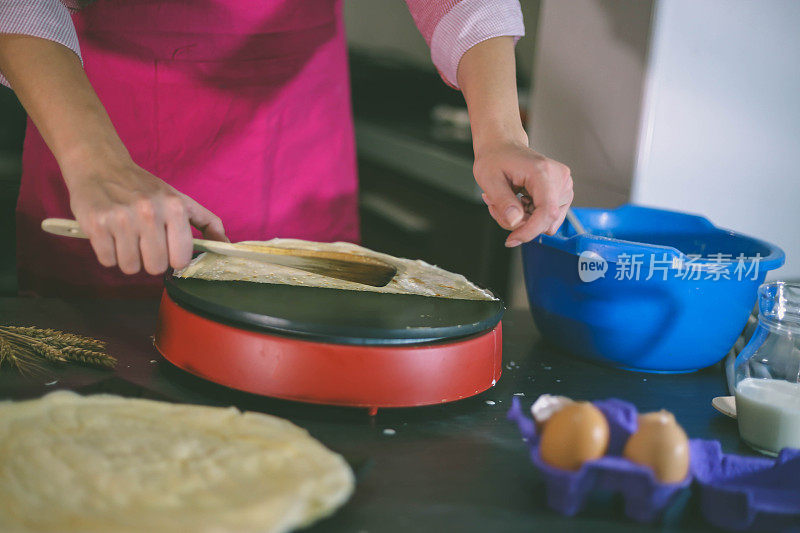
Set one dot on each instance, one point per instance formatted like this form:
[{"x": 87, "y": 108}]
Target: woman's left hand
[{"x": 527, "y": 193}]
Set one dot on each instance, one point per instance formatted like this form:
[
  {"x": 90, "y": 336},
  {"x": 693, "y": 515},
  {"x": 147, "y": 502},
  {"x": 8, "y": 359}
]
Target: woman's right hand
[{"x": 133, "y": 218}]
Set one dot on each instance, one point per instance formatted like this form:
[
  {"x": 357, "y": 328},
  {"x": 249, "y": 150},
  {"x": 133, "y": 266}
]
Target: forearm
[
  {"x": 487, "y": 77},
  {"x": 53, "y": 88},
  {"x": 504, "y": 164}
]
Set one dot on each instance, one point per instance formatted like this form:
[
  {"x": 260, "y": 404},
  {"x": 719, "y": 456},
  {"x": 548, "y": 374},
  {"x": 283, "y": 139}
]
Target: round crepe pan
[{"x": 331, "y": 346}]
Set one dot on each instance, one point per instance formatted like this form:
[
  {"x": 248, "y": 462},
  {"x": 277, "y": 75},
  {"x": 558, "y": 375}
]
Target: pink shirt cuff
[
  {"x": 47, "y": 19},
  {"x": 468, "y": 23}
]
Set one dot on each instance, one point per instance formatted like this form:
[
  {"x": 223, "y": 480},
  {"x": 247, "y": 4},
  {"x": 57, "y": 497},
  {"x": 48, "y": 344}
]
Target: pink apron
[{"x": 243, "y": 105}]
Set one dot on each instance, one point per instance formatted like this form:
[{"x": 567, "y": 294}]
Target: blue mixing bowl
[{"x": 649, "y": 290}]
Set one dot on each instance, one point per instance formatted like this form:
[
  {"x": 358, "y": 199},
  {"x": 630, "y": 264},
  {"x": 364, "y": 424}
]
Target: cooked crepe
[
  {"x": 70, "y": 463},
  {"x": 413, "y": 276}
]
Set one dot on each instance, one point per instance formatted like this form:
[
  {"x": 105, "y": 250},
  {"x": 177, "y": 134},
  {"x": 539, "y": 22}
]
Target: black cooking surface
[{"x": 335, "y": 315}]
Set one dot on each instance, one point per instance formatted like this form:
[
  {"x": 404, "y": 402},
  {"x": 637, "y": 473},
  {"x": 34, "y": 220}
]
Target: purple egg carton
[
  {"x": 645, "y": 497},
  {"x": 748, "y": 493},
  {"x": 736, "y": 492}
]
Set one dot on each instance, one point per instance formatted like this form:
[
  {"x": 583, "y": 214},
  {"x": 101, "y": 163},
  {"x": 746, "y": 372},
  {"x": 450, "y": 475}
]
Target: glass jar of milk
[{"x": 768, "y": 372}]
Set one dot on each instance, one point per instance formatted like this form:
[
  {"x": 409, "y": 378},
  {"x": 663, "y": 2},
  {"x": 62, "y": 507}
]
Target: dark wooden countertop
[{"x": 454, "y": 467}]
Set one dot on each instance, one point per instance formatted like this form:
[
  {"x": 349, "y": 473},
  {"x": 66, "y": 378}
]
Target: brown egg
[
  {"x": 576, "y": 433},
  {"x": 661, "y": 444},
  {"x": 545, "y": 406}
]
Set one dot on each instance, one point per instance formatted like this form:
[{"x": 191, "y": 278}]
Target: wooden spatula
[{"x": 339, "y": 265}]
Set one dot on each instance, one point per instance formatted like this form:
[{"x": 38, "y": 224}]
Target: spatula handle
[
  {"x": 217, "y": 247},
  {"x": 70, "y": 228},
  {"x": 63, "y": 227}
]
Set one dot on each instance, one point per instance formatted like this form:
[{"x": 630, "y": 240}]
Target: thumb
[
  {"x": 503, "y": 200},
  {"x": 209, "y": 224}
]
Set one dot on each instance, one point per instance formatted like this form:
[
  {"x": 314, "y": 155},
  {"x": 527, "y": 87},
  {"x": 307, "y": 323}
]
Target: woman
[{"x": 239, "y": 112}]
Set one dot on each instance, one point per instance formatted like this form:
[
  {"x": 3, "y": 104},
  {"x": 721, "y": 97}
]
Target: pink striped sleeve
[
  {"x": 48, "y": 19},
  {"x": 451, "y": 27}
]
